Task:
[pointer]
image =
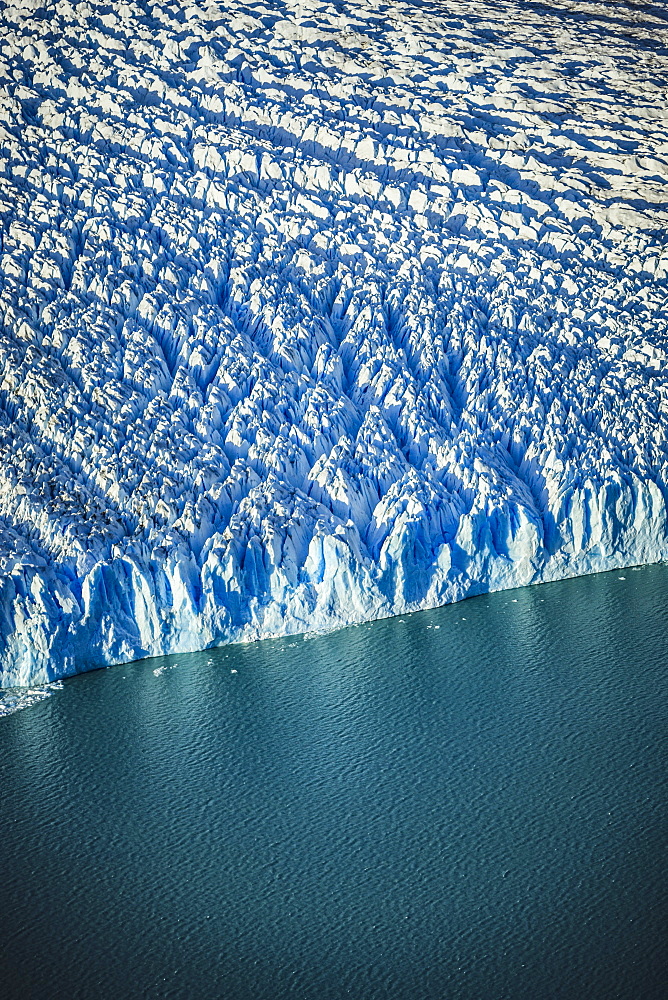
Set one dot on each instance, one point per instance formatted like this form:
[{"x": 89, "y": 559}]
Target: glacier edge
[{"x": 122, "y": 614}]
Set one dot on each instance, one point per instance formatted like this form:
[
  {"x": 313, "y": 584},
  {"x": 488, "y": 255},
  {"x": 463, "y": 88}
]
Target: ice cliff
[{"x": 319, "y": 312}]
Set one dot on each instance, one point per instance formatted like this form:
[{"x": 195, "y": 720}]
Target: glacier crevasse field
[{"x": 314, "y": 313}]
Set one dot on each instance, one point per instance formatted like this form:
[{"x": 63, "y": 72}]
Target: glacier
[{"x": 319, "y": 312}]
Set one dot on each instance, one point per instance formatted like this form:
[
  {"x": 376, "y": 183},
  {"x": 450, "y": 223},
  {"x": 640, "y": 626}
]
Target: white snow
[{"x": 319, "y": 312}]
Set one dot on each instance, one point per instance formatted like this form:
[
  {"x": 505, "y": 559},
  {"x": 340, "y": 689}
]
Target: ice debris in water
[
  {"x": 14, "y": 699},
  {"x": 159, "y": 671},
  {"x": 316, "y": 313}
]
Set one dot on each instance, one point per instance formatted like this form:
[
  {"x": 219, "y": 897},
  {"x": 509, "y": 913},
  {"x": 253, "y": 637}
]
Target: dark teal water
[{"x": 465, "y": 803}]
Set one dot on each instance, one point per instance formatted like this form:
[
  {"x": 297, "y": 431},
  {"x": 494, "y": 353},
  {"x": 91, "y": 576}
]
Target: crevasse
[{"x": 316, "y": 314}]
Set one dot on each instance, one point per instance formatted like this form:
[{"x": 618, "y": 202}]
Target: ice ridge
[{"x": 312, "y": 313}]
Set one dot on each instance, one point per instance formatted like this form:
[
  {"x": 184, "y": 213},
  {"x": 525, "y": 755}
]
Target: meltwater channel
[{"x": 463, "y": 803}]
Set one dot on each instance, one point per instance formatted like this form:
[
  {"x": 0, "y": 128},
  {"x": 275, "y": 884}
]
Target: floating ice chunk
[{"x": 15, "y": 699}]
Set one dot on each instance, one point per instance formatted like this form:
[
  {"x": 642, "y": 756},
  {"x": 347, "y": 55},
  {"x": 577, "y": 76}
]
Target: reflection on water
[{"x": 463, "y": 803}]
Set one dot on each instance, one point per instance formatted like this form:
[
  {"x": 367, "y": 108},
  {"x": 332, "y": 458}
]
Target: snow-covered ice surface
[{"x": 318, "y": 312}]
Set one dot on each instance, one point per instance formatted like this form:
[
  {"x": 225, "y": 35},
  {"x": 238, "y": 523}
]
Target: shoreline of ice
[{"x": 36, "y": 659}]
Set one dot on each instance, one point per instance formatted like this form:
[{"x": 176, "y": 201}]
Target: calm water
[{"x": 465, "y": 803}]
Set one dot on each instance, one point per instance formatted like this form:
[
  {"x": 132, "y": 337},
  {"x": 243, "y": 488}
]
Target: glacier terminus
[{"x": 314, "y": 313}]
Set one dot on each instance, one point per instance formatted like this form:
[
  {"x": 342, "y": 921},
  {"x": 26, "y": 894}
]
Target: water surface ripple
[{"x": 463, "y": 804}]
